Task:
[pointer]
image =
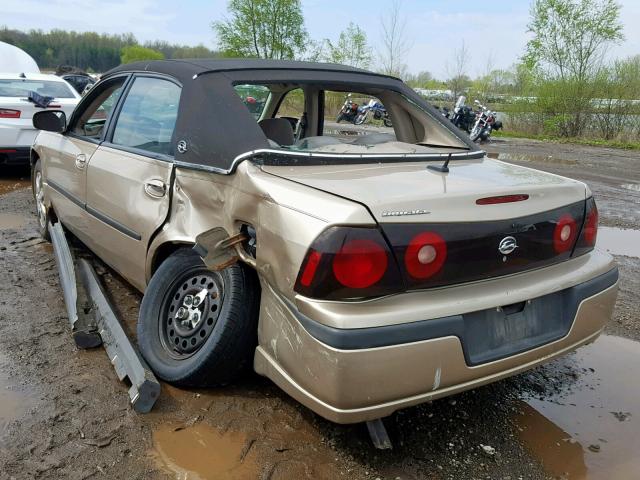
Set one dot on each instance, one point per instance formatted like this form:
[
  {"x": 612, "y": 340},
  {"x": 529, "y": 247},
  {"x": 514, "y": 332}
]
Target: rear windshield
[
  {"x": 21, "y": 88},
  {"x": 310, "y": 117}
]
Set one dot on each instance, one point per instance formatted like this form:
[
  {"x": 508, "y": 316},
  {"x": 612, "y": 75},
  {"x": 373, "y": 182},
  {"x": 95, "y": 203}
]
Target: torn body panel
[{"x": 286, "y": 217}]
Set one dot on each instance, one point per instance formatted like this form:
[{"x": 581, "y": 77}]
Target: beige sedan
[{"x": 362, "y": 268}]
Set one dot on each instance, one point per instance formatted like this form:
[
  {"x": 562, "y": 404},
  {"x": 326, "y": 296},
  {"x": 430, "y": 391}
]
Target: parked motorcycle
[
  {"x": 486, "y": 122},
  {"x": 349, "y": 112},
  {"x": 376, "y": 109},
  {"x": 463, "y": 115}
]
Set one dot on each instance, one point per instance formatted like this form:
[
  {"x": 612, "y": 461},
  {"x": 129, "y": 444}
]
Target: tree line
[{"x": 94, "y": 52}]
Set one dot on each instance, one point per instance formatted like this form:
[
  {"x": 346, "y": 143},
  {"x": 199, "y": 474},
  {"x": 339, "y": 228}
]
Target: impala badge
[
  {"x": 507, "y": 245},
  {"x": 402, "y": 213}
]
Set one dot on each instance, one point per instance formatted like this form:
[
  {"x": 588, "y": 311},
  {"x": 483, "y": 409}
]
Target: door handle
[
  {"x": 81, "y": 161},
  {"x": 155, "y": 188}
]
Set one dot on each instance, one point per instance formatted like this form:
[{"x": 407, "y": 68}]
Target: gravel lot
[{"x": 64, "y": 414}]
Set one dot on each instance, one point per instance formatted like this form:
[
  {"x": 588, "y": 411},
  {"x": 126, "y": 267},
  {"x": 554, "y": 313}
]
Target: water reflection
[
  {"x": 591, "y": 431},
  {"x": 619, "y": 241}
]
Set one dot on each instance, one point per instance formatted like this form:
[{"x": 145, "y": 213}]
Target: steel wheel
[
  {"x": 39, "y": 196},
  {"x": 190, "y": 312}
]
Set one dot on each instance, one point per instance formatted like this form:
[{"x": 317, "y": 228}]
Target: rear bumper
[
  {"x": 14, "y": 155},
  {"x": 354, "y": 375}
]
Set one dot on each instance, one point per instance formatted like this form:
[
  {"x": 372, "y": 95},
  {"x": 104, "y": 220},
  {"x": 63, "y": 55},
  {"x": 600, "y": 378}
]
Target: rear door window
[
  {"x": 254, "y": 97},
  {"x": 148, "y": 116}
]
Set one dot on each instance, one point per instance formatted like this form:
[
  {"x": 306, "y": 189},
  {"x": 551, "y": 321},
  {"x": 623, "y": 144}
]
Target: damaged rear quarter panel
[{"x": 287, "y": 217}]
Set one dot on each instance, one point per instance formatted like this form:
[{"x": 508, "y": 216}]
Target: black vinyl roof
[
  {"x": 183, "y": 68},
  {"x": 218, "y": 129}
]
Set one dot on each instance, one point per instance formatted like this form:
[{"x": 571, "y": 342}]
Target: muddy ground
[{"x": 64, "y": 414}]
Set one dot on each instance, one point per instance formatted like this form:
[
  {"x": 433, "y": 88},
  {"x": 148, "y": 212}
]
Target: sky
[{"x": 495, "y": 32}]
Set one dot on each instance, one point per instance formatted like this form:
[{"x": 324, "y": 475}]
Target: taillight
[
  {"x": 309, "y": 271},
  {"x": 565, "y": 234},
  {"x": 589, "y": 233},
  {"x": 360, "y": 263},
  {"x": 349, "y": 262},
  {"x": 425, "y": 255},
  {"x": 9, "y": 113}
]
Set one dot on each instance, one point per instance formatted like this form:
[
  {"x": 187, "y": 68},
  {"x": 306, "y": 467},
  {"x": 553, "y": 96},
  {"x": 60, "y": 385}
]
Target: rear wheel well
[
  {"x": 33, "y": 157},
  {"x": 164, "y": 251}
]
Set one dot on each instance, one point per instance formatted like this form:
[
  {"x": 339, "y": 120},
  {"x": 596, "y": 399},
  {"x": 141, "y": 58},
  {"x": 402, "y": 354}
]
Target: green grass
[{"x": 574, "y": 141}]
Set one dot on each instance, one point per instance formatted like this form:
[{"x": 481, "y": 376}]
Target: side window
[
  {"x": 254, "y": 97},
  {"x": 148, "y": 116},
  {"x": 292, "y": 105},
  {"x": 92, "y": 120}
]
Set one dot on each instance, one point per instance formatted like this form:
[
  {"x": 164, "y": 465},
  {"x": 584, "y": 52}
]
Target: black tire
[
  {"x": 340, "y": 117},
  {"x": 387, "y": 122},
  {"x": 359, "y": 120},
  {"x": 230, "y": 331},
  {"x": 42, "y": 212}
]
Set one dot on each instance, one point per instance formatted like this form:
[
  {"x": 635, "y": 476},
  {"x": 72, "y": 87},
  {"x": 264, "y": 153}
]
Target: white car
[{"x": 16, "y": 110}]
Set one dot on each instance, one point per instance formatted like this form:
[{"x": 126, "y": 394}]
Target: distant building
[{"x": 15, "y": 60}]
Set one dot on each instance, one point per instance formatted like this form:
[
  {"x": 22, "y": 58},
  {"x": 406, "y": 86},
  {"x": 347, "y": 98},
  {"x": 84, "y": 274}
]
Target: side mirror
[{"x": 50, "y": 120}]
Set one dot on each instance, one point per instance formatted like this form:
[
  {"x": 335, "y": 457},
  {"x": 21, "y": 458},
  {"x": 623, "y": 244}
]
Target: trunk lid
[{"x": 409, "y": 192}]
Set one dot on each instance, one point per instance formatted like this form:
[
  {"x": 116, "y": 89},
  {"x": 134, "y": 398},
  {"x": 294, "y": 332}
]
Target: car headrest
[{"x": 278, "y": 129}]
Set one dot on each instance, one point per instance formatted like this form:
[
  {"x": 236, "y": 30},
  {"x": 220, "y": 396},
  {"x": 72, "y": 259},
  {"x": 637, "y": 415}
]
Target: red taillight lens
[
  {"x": 310, "y": 268},
  {"x": 589, "y": 233},
  {"x": 9, "y": 113},
  {"x": 565, "y": 234},
  {"x": 425, "y": 255},
  {"x": 349, "y": 262},
  {"x": 360, "y": 263}
]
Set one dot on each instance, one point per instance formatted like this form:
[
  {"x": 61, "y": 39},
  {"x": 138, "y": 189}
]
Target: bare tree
[
  {"x": 457, "y": 71},
  {"x": 486, "y": 80},
  {"x": 395, "y": 44}
]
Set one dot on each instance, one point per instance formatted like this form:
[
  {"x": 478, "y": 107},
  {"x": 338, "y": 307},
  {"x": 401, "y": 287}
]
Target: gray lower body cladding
[{"x": 485, "y": 335}]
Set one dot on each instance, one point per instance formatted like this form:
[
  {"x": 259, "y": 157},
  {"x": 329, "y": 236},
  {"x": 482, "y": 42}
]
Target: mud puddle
[
  {"x": 200, "y": 452},
  {"x": 619, "y": 241},
  {"x": 8, "y": 185},
  {"x": 11, "y": 221},
  {"x": 13, "y": 403},
  {"x": 521, "y": 157},
  {"x": 592, "y": 431},
  {"x": 631, "y": 186}
]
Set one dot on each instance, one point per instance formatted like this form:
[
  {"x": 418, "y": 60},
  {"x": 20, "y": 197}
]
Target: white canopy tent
[{"x": 15, "y": 60}]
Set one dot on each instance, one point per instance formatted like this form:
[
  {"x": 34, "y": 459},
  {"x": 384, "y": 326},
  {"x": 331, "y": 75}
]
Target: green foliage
[
  {"x": 569, "y": 36},
  {"x": 136, "y": 53},
  {"x": 565, "y": 58},
  {"x": 262, "y": 28},
  {"x": 350, "y": 49},
  {"x": 181, "y": 51},
  {"x": 423, "y": 79},
  {"x": 578, "y": 141}
]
